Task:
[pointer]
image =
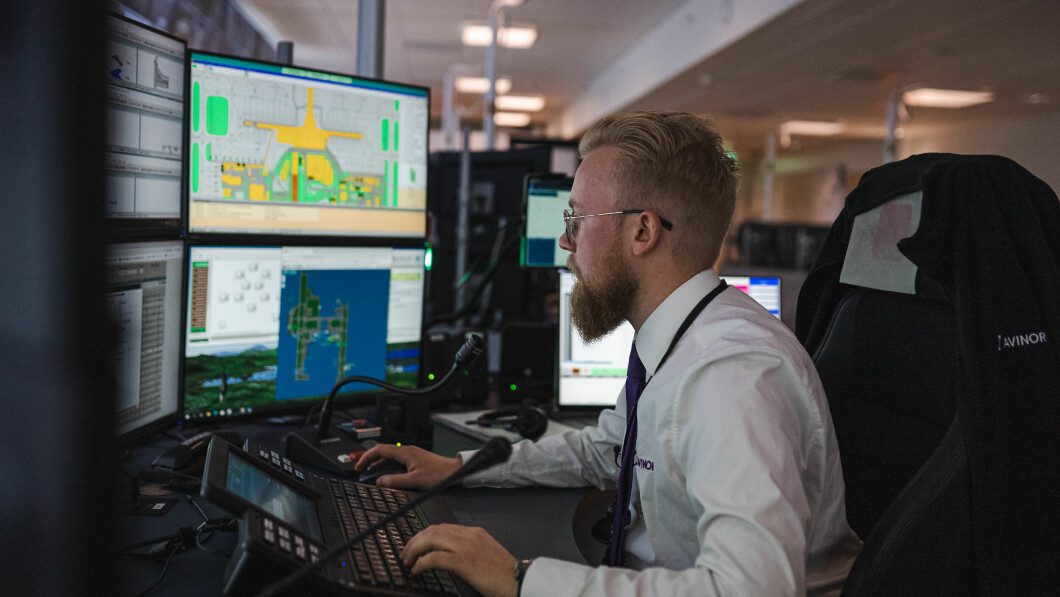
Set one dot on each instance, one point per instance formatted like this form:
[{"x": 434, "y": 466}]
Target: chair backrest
[
  {"x": 932, "y": 318},
  {"x": 888, "y": 360},
  {"x": 888, "y": 363}
]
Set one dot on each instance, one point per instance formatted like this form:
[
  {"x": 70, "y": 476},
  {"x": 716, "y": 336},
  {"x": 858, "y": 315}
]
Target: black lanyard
[{"x": 702, "y": 304}]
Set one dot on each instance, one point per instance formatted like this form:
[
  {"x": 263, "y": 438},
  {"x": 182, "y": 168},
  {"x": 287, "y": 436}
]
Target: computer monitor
[
  {"x": 544, "y": 200},
  {"x": 591, "y": 375},
  {"x": 276, "y": 149},
  {"x": 143, "y": 282},
  {"x": 144, "y": 73},
  {"x": 272, "y": 328},
  {"x": 764, "y": 289}
]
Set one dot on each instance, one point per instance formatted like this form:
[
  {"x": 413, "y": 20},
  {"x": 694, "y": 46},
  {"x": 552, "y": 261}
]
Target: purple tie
[{"x": 635, "y": 382}]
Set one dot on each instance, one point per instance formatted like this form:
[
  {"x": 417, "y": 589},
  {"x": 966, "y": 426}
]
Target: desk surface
[{"x": 529, "y": 522}]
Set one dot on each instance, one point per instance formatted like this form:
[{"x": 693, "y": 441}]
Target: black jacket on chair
[{"x": 988, "y": 244}]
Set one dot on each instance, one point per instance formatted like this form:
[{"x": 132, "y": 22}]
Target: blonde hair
[{"x": 674, "y": 163}]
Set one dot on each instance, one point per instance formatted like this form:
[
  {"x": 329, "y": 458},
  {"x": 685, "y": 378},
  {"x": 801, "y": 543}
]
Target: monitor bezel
[
  {"x": 525, "y": 238},
  {"x": 313, "y": 238},
  {"x": 298, "y": 406},
  {"x": 126, "y": 229}
]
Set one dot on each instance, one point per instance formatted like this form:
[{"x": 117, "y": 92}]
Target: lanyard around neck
[{"x": 702, "y": 304}]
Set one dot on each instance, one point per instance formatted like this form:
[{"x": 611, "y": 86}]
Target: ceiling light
[
  {"x": 482, "y": 85},
  {"x": 519, "y": 38},
  {"x": 511, "y": 119},
  {"x": 814, "y": 128},
  {"x": 523, "y": 103},
  {"x": 926, "y": 97}
]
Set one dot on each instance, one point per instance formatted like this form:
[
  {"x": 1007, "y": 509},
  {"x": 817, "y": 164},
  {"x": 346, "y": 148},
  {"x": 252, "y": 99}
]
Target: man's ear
[{"x": 648, "y": 233}]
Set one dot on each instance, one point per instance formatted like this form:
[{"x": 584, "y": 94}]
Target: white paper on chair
[{"x": 873, "y": 259}]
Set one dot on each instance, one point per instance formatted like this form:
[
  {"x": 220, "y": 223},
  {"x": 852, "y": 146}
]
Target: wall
[{"x": 1032, "y": 140}]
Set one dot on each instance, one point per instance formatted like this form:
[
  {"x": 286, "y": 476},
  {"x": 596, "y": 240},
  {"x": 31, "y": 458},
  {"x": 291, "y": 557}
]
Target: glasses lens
[{"x": 568, "y": 224}]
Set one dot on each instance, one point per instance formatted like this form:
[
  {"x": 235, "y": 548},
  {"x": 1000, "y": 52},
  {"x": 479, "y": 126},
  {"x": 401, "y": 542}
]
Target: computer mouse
[{"x": 380, "y": 468}]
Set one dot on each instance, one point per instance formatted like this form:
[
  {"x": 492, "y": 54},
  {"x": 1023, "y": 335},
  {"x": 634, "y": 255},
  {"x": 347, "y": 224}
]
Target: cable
[
  {"x": 490, "y": 271},
  {"x": 165, "y": 567}
]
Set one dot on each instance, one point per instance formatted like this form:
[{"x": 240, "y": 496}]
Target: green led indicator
[
  {"x": 430, "y": 377},
  {"x": 428, "y": 257},
  {"x": 513, "y": 387},
  {"x": 466, "y": 373}
]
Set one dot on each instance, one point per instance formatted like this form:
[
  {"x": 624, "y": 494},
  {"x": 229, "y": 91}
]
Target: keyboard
[{"x": 377, "y": 559}]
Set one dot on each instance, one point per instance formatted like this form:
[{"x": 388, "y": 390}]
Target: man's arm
[{"x": 571, "y": 459}]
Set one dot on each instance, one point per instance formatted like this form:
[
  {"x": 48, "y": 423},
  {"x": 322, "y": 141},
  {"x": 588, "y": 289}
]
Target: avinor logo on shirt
[
  {"x": 648, "y": 465},
  {"x": 1020, "y": 340}
]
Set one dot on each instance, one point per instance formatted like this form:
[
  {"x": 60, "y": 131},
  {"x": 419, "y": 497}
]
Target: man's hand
[
  {"x": 424, "y": 468},
  {"x": 469, "y": 552}
]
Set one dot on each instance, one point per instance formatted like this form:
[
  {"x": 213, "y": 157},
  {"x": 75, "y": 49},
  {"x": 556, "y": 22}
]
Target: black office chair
[{"x": 948, "y": 450}]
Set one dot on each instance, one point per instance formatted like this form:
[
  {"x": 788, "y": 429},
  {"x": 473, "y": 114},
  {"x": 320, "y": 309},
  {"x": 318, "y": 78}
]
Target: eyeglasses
[{"x": 571, "y": 221}]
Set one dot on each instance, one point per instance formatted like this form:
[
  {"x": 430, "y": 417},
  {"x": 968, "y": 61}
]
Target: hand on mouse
[{"x": 424, "y": 468}]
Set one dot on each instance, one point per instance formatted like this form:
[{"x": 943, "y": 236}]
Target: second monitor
[
  {"x": 269, "y": 328},
  {"x": 545, "y": 197},
  {"x": 591, "y": 374}
]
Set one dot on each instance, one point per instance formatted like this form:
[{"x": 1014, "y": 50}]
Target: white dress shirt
[{"x": 738, "y": 487}]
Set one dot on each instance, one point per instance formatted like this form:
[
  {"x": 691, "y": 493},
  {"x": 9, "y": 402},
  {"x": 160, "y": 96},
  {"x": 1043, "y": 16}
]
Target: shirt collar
[{"x": 658, "y": 331}]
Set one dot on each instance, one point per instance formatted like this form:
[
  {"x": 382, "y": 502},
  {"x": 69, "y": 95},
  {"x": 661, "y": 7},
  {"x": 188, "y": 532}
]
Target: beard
[{"x": 599, "y": 306}]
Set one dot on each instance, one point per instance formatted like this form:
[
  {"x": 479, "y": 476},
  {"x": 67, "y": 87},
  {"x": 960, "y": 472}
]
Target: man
[{"x": 733, "y": 480}]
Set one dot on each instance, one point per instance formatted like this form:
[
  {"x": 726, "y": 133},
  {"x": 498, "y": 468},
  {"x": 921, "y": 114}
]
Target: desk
[{"x": 529, "y": 522}]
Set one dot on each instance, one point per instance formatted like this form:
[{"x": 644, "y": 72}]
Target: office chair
[{"x": 927, "y": 313}]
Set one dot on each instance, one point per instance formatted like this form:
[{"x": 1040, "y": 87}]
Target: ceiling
[{"x": 774, "y": 60}]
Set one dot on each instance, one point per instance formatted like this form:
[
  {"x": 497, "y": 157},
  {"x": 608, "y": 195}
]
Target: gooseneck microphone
[
  {"x": 494, "y": 452},
  {"x": 470, "y": 350},
  {"x": 320, "y": 448}
]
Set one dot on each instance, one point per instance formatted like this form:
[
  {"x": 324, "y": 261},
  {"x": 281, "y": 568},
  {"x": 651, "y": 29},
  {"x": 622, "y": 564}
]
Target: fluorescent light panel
[
  {"x": 521, "y": 103},
  {"x": 927, "y": 97},
  {"x": 813, "y": 128},
  {"x": 481, "y": 84},
  {"x": 511, "y": 118},
  {"x": 518, "y": 38}
]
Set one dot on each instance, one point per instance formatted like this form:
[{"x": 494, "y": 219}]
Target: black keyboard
[
  {"x": 377, "y": 560},
  {"x": 374, "y": 565}
]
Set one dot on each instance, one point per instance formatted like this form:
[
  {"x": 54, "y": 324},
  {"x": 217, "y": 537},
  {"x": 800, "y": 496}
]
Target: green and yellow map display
[{"x": 297, "y": 141}]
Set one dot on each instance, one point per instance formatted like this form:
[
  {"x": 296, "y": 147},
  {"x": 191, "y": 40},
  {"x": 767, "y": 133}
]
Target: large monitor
[
  {"x": 270, "y": 328},
  {"x": 544, "y": 200},
  {"x": 276, "y": 149},
  {"x": 144, "y": 73},
  {"x": 591, "y": 375},
  {"x": 144, "y": 299}
]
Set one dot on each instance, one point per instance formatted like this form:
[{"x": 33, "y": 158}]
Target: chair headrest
[{"x": 872, "y": 258}]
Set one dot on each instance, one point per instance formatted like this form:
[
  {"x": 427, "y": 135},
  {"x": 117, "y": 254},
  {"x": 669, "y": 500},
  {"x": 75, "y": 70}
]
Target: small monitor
[
  {"x": 271, "y": 328},
  {"x": 144, "y": 73},
  {"x": 544, "y": 200},
  {"x": 277, "y": 149},
  {"x": 591, "y": 375},
  {"x": 144, "y": 299},
  {"x": 764, "y": 289}
]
